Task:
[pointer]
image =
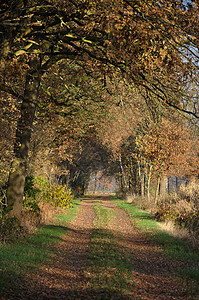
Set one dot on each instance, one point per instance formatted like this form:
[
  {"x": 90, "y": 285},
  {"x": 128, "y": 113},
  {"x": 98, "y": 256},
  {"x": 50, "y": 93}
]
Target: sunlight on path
[
  {"x": 152, "y": 273},
  {"x": 66, "y": 278}
]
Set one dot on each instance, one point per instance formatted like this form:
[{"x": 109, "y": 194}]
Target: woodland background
[{"x": 99, "y": 86}]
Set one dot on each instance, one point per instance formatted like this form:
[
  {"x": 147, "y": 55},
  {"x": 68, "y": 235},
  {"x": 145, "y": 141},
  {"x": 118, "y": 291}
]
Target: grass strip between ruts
[
  {"x": 17, "y": 259},
  {"x": 173, "y": 247},
  {"x": 109, "y": 268}
]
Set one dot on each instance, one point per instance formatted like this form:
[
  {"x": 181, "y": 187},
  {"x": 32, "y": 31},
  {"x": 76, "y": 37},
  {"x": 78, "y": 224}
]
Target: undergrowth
[{"x": 182, "y": 207}]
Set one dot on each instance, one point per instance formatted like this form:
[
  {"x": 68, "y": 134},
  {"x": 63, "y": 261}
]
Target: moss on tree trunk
[{"x": 17, "y": 174}]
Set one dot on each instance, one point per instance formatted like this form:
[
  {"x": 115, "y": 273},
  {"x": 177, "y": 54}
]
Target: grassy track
[
  {"x": 17, "y": 259},
  {"x": 173, "y": 247},
  {"x": 109, "y": 267}
]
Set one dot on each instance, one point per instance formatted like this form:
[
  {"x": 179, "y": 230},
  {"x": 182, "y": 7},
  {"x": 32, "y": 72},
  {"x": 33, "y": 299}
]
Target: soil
[{"x": 153, "y": 274}]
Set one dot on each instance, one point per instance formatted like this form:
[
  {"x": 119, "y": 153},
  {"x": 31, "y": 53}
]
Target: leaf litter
[{"x": 153, "y": 274}]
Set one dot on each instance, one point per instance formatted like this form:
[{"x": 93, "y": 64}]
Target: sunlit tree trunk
[
  {"x": 142, "y": 185},
  {"x": 163, "y": 186},
  {"x": 139, "y": 178},
  {"x": 149, "y": 181},
  {"x": 157, "y": 189},
  {"x": 17, "y": 174}
]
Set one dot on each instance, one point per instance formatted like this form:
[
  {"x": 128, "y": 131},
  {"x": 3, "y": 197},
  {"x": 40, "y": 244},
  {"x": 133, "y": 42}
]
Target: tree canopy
[
  {"x": 77, "y": 62},
  {"x": 154, "y": 43}
]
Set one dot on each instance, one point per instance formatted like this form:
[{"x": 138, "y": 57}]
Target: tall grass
[
  {"x": 179, "y": 208},
  {"x": 182, "y": 208}
]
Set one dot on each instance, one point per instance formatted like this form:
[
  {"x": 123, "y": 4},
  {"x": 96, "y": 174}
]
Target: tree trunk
[
  {"x": 163, "y": 186},
  {"x": 95, "y": 187},
  {"x": 17, "y": 174},
  {"x": 149, "y": 181},
  {"x": 135, "y": 176},
  {"x": 157, "y": 190},
  {"x": 142, "y": 185},
  {"x": 123, "y": 174},
  {"x": 139, "y": 179},
  {"x": 120, "y": 182}
]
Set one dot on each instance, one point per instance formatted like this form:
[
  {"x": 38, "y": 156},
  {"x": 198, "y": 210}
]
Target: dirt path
[
  {"x": 152, "y": 273},
  {"x": 64, "y": 279}
]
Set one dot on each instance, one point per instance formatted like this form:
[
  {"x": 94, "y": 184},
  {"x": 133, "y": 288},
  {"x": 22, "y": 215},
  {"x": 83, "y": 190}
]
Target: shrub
[
  {"x": 59, "y": 196},
  {"x": 41, "y": 183},
  {"x": 182, "y": 207},
  {"x": 190, "y": 192},
  {"x": 31, "y": 215},
  {"x": 31, "y": 205},
  {"x": 30, "y": 190}
]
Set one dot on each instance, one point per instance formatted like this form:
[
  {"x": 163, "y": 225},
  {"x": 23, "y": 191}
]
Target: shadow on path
[{"x": 65, "y": 278}]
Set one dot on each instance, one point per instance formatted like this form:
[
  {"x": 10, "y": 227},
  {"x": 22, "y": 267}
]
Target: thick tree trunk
[{"x": 17, "y": 174}]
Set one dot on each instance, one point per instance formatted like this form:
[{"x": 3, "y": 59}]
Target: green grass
[
  {"x": 86, "y": 196},
  {"x": 114, "y": 197},
  {"x": 97, "y": 201},
  {"x": 103, "y": 215},
  {"x": 142, "y": 219},
  {"x": 17, "y": 259},
  {"x": 174, "y": 247},
  {"x": 69, "y": 216},
  {"x": 109, "y": 267}
]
